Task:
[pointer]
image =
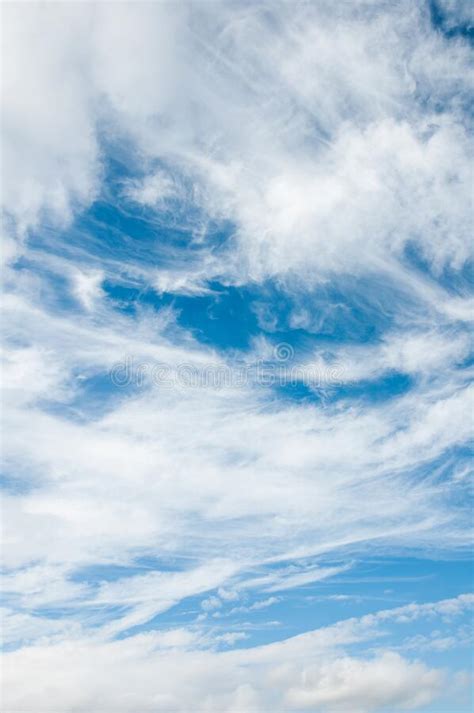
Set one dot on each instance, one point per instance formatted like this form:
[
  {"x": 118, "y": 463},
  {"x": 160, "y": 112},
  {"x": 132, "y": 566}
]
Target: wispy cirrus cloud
[{"x": 196, "y": 188}]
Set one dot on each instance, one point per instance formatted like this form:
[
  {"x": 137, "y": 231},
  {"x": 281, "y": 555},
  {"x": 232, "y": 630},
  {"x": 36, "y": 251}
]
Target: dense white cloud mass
[
  {"x": 176, "y": 671},
  {"x": 318, "y": 157},
  {"x": 324, "y": 132}
]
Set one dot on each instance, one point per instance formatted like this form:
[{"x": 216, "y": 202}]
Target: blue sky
[{"x": 237, "y": 423}]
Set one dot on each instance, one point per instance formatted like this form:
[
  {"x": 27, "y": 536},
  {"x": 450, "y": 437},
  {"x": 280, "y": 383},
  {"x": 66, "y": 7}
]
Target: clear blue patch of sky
[
  {"x": 373, "y": 585},
  {"x": 231, "y": 317},
  {"x": 386, "y": 387}
]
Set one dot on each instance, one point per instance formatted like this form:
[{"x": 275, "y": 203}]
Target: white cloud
[
  {"x": 231, "y": 637},
  {"x": 87, "y": 287},
  {"x": 50, "y": 155},
  {"x": 313, "y": 147},
  {"x": 291, "y": 578},
  {"x": 176, "y": 282},
  {"x": 211, "y": 604},
  {"x": 176, "y": 670},
  {"x": 365, "y": 685},
  {"x": 378, "y": 187},
  {"x": 330, "y": 138},
  {"x": 423, "y": 354},
  {"x": 181, "y": 466},
  {"x": 152, "y": 190},
  {"x": 173, "y": 461}
]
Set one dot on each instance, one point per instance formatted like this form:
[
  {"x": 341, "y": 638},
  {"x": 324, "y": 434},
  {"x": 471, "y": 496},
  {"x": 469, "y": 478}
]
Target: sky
[{"x": 236, "y": 356}]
